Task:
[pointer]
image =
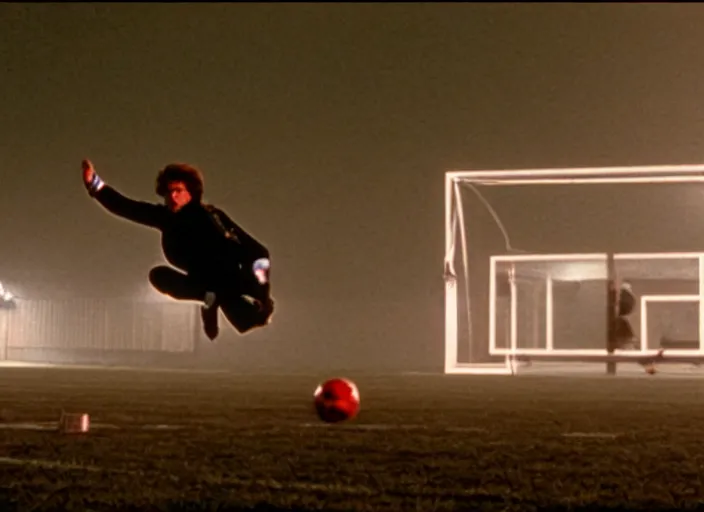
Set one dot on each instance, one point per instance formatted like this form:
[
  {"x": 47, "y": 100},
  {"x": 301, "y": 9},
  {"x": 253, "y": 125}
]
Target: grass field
[{"x": 165, "y": 440}]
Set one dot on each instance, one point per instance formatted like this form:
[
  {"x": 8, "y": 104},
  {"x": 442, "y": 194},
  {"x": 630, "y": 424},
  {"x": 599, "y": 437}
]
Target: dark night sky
[{"x": 326, "y": 131}]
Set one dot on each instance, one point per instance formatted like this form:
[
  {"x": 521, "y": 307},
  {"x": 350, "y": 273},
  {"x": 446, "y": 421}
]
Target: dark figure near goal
[
  {"x": 625, "y": 336},
  {"x": 216, "y": 262}
]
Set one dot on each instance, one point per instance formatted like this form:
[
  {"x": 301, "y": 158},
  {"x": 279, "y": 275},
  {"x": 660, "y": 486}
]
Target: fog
[{"x": 325, "y": 130}]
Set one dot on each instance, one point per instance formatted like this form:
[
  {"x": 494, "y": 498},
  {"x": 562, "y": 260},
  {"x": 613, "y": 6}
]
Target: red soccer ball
[{"x": 336, "y": 400}]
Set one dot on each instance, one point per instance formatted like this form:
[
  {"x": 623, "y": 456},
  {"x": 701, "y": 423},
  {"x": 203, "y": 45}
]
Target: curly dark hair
[{"x": 189, "y": 175}]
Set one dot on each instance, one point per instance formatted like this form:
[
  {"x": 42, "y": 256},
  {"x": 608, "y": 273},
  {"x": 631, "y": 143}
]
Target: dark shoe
[
  {"x": 265, "y": 310},
  {"x": 648, "y": 364},
  {"x": 209, "y": 316},
  {"x": 256, "y": 313}
]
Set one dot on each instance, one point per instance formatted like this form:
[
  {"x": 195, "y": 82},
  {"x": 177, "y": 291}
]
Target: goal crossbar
[{"x": 597, "y": 172}]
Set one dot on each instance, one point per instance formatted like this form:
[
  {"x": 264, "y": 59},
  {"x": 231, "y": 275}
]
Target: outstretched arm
[{"x": 141, "y": 212}]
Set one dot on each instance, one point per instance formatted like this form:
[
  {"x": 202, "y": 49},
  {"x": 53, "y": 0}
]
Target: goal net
[{"x": 538, "y": 262}]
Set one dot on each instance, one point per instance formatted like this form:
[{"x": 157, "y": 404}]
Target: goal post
[{"x": 527, "y": 264}]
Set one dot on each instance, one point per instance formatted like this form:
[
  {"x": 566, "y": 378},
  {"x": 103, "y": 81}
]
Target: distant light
[{"x": 7, "y": 299}]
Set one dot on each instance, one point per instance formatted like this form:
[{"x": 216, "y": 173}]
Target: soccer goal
[{"x": 536, "y": 261}]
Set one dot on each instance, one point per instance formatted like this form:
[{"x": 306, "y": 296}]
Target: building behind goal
[{"x": 97, "y": 330}]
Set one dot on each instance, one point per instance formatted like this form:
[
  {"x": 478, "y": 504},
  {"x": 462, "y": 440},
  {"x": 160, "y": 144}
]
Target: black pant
[
  {"x": 229, "y": 289},
  {"x": 624, "y": 331}
]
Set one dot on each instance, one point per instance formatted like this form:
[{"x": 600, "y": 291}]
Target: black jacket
[
  {"x": 626, "y": 302},
  {"x": 199, "y": 239}
]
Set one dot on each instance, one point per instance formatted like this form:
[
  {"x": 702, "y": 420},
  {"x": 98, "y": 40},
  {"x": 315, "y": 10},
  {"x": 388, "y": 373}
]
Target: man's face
[{"x": 177, "y": 196}]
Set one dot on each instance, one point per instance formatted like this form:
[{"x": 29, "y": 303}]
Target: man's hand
[
  {"x": 90, "y": 178},
  {"x": 88, "y": 171}
]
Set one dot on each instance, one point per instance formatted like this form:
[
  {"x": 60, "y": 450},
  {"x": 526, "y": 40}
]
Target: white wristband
[{"x": 95, "y": 184}]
